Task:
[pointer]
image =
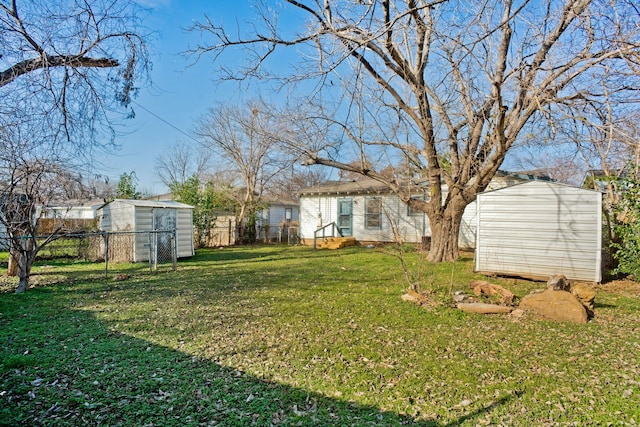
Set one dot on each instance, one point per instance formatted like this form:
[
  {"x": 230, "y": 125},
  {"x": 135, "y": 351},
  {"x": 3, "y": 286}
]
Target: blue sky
[{"x": 180, "y": 92}]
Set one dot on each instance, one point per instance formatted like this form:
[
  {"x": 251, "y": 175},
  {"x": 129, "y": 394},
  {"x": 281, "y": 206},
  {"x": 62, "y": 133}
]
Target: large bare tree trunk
[
  {"x": 27, "y": 256},
  {"x": 444, "y": 234},
  {"x": 24, "y": 272}
]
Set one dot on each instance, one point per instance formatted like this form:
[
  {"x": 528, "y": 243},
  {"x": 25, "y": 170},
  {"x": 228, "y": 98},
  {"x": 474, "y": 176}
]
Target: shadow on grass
[
  {"x": 252, "y": 252},
  {"x": 485, "y": 409},
  {"x": 65, "y": 367}
]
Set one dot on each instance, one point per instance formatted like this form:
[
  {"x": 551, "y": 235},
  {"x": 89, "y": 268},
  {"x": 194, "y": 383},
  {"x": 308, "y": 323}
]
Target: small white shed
[
  {"x": 148, "y": 215},
  {"x": 539, "y": 229}
]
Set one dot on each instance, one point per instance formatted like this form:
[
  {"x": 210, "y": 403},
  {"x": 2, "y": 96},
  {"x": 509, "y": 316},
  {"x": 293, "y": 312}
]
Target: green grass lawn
[{"x": 276, "y": 335}]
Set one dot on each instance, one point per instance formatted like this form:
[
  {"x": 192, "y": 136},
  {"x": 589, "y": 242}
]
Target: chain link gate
[
  {"x": 162, "y": 249},
  {"x": 159, "y": 246}
]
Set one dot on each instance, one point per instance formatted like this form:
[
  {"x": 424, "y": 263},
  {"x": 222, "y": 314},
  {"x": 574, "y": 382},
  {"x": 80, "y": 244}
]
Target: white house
[
  {"x": 364, "y": 209},
  {"x": 367, "y": 210},
  {"x": 275, "y": 220},
  {"x": 72, "y": 209},
  {"x": 145, "y": 216}
]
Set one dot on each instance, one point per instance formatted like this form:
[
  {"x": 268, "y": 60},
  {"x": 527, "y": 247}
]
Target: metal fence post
[
  {"x": 155, "y": 252},
  {"x": 150, "y": 252},
  {"x": 106, "y": 253},
  {"x": 174, "y": 249}
]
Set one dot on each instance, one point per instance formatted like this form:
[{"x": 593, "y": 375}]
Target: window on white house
[
  {"x": 415, "y": 212},
  {"x": 373, "y": 213}
]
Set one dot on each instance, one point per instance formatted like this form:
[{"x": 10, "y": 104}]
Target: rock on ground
[
  {"x": 555, "y": 305},
  {"x": 480, "y": 287},
  {"x": 481, "y": 308},
  {"x": 585, "y": 294}
]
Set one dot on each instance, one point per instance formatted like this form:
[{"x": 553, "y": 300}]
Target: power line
[{"x": 165, "y": 121}]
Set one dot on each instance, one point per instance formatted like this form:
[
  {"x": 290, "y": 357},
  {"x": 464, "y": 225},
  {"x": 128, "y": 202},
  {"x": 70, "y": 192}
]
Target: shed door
[
  {"x": 345, "y": 216},
  {"x": 164, "y": 220}
]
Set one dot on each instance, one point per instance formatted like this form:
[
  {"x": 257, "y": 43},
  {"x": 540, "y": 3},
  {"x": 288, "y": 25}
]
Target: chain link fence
[
  {"x": 115, "y": 252},
  {"x": 229, "y": 235}
]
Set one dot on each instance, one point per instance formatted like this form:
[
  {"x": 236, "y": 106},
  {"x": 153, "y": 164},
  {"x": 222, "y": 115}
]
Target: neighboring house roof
[
  {"x": 151, "y": 203},
  {"x": 601, "y": 178},
  {"x": 530, "y": 175},
  {"x": 371, "y": 186},
  {"x": 361, "y": 186},
  {"x": 161, "y": 197},
  {"x": 279, "y": 202},
  {"x": 76, "y": 203}
]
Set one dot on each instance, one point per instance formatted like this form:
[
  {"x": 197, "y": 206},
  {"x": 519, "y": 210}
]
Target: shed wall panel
[
  {"x": 117, "y": 217},
  {"x": 540, "y": 229},
  {"x": 184, "y": 233},
  {"x": 143, "y": 217}
]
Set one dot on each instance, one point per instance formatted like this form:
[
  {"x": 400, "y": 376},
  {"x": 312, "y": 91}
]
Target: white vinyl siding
[
  {"x": 467, "y": 235},
  {"x": 184, "y": 233},
  {"x": 274, "y": 216},
  {"x": 540, "y": 229}
]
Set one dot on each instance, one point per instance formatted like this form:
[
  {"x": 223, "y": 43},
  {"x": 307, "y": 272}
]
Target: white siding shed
[
  {"x": 538, "y": 229},
  {"x": 149, "y": 215}
]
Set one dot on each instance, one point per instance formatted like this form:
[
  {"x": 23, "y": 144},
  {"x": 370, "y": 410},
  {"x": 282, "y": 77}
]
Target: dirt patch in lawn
[{"x": 623, "y": 287}]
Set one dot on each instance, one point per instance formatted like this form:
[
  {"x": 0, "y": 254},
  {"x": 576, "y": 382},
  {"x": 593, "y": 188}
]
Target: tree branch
[{"x": 29, "y": 65}]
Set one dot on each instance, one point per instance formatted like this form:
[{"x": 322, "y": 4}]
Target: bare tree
[
  {"x": 607, "y": 141},
  {"x": 446, "y": 87},
  {"x": 245, "y": 140},
  {"x": 30, "y": 179},
  {"x": 182, "y": 161},
  {"x": 68, "y": 71},
  {"x": 71, "y": 66},
  {"x": 287, "y": 185}
]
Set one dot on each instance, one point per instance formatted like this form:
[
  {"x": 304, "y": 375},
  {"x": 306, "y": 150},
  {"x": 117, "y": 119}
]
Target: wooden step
[{"x": 336, "y": 242}]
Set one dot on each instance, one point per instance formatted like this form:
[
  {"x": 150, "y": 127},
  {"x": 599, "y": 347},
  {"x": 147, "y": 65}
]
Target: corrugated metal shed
[
  {"x": 147, "y": 215},
  {"x": 539, "y": 229}
]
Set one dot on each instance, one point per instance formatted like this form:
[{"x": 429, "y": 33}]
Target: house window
[
  {"x": 287, "y": 214},
  {"x": 415, "y": 212},
  {"x": 373, "y": 213}
]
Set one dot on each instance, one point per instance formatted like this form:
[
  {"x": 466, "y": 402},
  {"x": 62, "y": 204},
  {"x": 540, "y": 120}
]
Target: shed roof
[
  {"x": 544, "y": 183},
  {"x": 151, "y": 203}
]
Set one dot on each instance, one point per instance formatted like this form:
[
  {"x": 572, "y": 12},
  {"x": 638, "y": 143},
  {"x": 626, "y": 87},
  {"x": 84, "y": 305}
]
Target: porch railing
[{"x": 323, "y": 229}]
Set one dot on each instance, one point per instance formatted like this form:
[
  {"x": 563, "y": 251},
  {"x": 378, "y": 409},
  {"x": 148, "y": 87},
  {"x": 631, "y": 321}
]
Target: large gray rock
[
  {"x": 559, "y": 283},
  {"x": 555, "y": 305}
]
